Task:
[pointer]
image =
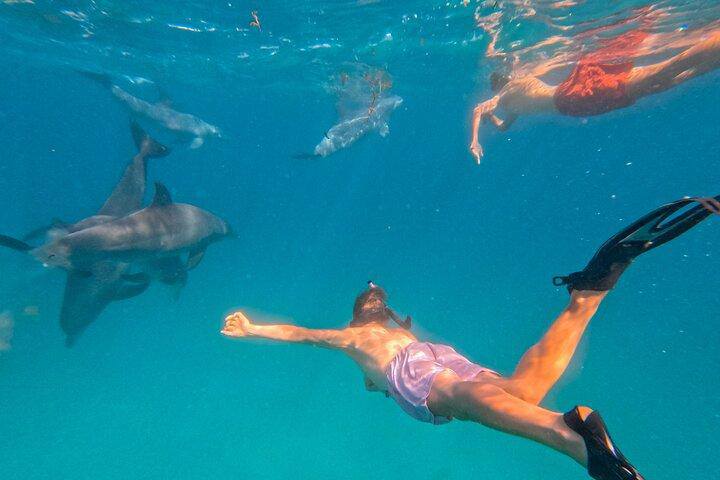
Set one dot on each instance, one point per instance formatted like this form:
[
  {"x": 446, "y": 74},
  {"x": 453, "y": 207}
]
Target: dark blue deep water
[{"x": 152, "y": 390}]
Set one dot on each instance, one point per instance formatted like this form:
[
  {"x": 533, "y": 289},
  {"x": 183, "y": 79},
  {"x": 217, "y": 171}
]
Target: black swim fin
[
  {"x": 605, "y": 461},
  {"x": 14, "y": 243},
  {"x": 146, "y": 145},
  {"x": 617, "y": 253}
]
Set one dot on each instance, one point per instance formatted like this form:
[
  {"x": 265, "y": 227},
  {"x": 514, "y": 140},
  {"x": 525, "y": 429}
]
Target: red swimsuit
[{"x": 597, "y": 84}]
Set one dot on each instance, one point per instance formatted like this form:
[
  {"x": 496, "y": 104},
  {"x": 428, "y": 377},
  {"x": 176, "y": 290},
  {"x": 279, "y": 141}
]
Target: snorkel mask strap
[{"x": 406, "y": 324}]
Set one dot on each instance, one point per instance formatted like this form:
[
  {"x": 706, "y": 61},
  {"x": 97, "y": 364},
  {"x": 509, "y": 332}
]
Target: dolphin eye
[{"x": 52, "y": 255}]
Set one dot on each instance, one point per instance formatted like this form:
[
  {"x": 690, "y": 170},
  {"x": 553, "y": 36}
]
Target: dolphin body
[
  {"x": 163, "y": 229},
  {"x": 161, "y": 113},
  {"x": 349, "y": 131},
  {"x": 88, "y": 293}
]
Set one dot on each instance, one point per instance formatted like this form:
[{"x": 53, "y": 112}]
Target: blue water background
[{"x": 151, "y": 390}]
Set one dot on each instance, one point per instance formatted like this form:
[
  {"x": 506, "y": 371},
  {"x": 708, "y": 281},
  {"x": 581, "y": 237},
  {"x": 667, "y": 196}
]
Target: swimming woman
[
  {"x": 433, "y": 383},
  {"x": 601, "y": 81}
]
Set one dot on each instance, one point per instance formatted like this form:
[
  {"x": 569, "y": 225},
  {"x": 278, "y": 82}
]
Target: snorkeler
[
  {"x": 433, "y": 383},
  {"x": 601, "y": 81}
]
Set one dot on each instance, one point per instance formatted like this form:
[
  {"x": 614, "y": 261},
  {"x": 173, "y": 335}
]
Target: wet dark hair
[
  {"x": 365, "y": 297},
  {"x": 498, "y": 80},
  {"x": 363, "y": 316}
]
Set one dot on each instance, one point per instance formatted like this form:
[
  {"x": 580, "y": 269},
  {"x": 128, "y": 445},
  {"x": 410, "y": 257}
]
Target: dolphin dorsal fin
[{"x": 162, "y": 196}]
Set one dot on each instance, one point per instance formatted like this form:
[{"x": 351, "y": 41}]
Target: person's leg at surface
[{"x": 697, "y": 60}]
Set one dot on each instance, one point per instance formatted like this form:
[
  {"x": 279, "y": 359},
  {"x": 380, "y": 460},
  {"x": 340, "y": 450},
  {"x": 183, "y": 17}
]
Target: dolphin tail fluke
[
  {"x": 100, "y": 78},
  {"x": 14, "y": 243},
  {"x": 146, "y": 145}
]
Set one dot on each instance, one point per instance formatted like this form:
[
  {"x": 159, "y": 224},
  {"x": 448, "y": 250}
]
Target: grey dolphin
[
  {"x": 352, "y": 129},
  {"x": 161, "y": 113},
  {"x": 88, "y": 293},
  {"x": 163, "y": 229}
]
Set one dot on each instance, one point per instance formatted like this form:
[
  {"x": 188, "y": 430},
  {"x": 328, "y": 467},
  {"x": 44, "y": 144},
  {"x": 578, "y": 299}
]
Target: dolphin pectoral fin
[
  {"x": 83, "y": 301},
  {"x": 197, "y": 143},
  {"x": 195, "y": 258},
  {"x": 139, "y": 277},
  {"x": 162, "y": 196},
  {"x": 384, "y": 130},
  {"x": 14, "y": 243},
  {"x": 130, "y": 291}
]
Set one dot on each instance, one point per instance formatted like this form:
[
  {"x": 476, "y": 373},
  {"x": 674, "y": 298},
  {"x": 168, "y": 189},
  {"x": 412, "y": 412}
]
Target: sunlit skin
[
  {"x": 528, "y": 94},
  {"x": 507, "y": 404}
]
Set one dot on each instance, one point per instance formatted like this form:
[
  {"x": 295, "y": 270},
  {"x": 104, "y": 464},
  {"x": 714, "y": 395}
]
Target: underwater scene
[{"x": 359, "y": 239}]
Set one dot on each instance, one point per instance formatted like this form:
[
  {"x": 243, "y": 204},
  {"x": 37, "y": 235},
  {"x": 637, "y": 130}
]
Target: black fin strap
[{"x": 574, "y": 421}]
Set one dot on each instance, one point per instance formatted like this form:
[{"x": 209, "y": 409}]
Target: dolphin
[
  {"x": 163, "y": 229},
  {"x": 352, "y": 129},
  {"x": 161, "y": 112},
  {"x": 88, "y": 293}
]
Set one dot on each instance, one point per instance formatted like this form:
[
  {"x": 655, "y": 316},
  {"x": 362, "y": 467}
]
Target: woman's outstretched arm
[{"x": 481, "y": 111}]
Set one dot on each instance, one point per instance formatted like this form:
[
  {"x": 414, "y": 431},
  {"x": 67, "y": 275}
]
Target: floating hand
[{"x": 236, "y": 325}]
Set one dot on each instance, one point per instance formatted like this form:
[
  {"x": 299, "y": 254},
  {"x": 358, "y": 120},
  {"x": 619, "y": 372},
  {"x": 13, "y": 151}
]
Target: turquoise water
[{"x": 152, "y": 390}]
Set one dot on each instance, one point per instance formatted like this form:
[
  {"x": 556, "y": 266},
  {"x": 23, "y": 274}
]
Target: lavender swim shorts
[{"x": 411, "y": 374}]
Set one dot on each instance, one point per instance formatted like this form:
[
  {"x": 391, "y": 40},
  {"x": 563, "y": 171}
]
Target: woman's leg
[
  {"x": 545, "y": 362},
  {"x": 490, "y": 405},
  {"x": 693, "y": 62}
]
